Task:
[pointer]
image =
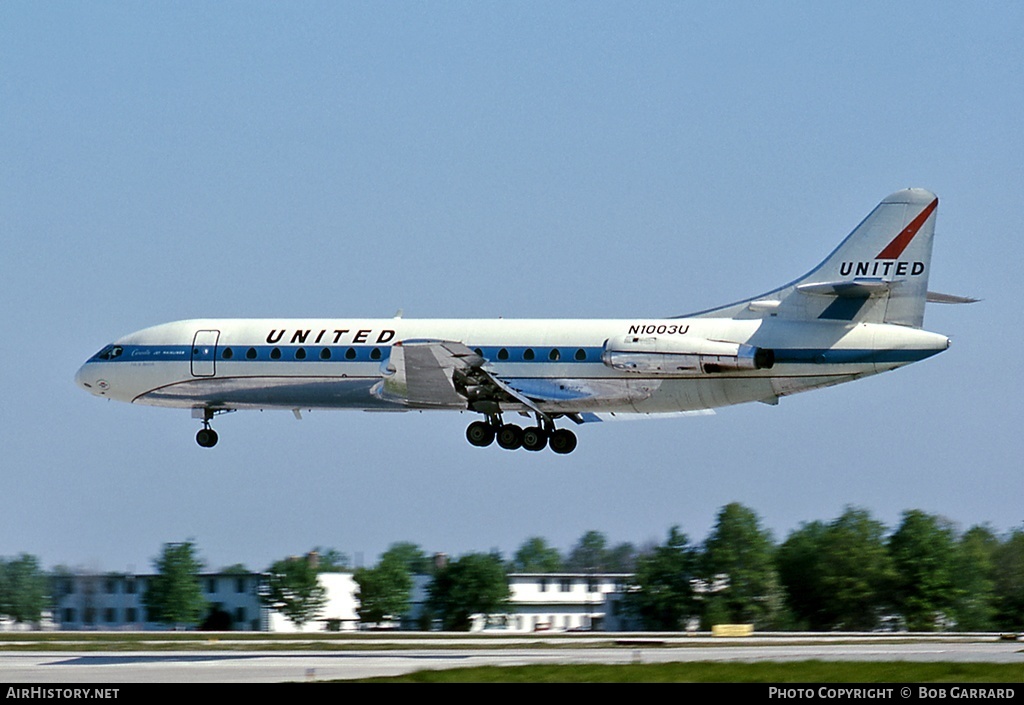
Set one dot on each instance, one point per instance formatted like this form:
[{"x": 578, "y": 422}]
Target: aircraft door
[{"x": 204, "y": 353}]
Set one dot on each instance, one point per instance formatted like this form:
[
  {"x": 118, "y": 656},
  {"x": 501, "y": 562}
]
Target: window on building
[
  {"x": 239, "y": 614},
  {"x": 69, "y": 614},
  {"x": 543, "y": 584},
  {"x": 110, "y": 584},
  {"x": 110, "y": 615},
  {"x": 240, "y": 586},
  {"x": 567, "y": 585},
  {"x": 131, "y": 614},
  {"x": 211, "y": 585}
]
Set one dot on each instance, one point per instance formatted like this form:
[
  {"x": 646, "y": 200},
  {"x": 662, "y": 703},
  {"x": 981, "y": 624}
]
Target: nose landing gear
[{"x": 207, "y": 437}]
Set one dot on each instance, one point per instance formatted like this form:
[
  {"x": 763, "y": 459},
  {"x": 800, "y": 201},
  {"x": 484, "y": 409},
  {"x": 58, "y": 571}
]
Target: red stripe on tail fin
[{"x": 899, "y": 243}]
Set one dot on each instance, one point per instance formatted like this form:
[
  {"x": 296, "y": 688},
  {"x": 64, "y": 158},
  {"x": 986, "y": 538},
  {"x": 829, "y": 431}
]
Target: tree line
[{"x": 849, "y": 574}]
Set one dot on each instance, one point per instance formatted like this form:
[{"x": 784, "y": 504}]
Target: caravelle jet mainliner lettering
[{"x": 858, "y": 313}]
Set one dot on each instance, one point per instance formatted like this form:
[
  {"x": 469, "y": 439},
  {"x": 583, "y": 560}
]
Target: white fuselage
[{"x": 340, "y": 363}]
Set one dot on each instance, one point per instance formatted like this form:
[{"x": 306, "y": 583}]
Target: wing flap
[{"x": 420, "y": 373}]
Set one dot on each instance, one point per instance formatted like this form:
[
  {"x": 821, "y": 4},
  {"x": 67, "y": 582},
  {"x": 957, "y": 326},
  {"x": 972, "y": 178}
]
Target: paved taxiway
[{"x": 277, "y": 666}]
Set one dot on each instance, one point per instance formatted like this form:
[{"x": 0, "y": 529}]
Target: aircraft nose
[{"x": 87, "y": 379}]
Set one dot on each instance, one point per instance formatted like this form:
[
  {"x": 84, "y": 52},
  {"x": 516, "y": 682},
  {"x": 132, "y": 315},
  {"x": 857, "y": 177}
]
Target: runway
[{"x": 277, "y": 666}]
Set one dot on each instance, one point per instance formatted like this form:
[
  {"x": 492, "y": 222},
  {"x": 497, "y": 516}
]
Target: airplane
[{"x": 858, "y": 313}]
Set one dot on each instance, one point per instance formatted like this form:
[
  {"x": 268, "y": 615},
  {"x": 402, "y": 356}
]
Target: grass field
[{"x": 788, "y": 672}]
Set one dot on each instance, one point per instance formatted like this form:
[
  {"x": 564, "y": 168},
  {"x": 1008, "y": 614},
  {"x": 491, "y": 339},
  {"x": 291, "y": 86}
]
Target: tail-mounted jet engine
[{"x": 683, "y": 356}]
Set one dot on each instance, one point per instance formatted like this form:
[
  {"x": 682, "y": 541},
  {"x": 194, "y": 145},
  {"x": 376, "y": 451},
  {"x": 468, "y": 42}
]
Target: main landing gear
[{"x": 511, "y": 437}]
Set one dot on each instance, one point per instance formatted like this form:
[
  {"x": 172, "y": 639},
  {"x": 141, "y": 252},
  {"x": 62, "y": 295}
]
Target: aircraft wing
[
  {"x": 448, "y": 374},
  {"x": 421, "y": 373}
]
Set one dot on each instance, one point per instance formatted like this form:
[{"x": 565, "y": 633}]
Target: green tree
[
  {"x": 799, "y": 566},
  {"x": 923, "y": 554},
  {"x": 293, "y": 588},
  {"x": 621, "y": 558},
  {"x": 837, "y": 575},
  {"x": 24, "y": 589},
  {"x": 973, "y": 576},
  {"x": 536, "y": 556},
  {"x": 330, "y": 560},
  {"x": 411, "y": 555},
  {"x": 589, "y": 555},
  {"x": 742, "y": 551},
  {"x": 383, "y": 590},
  {"x": 474, "y": 584},
  {"x": 663, "y": 596},
  {"x": 855, "y": 571},
  {"x": 174, "y": 596},
  {"x": 1009, "y": 582}
]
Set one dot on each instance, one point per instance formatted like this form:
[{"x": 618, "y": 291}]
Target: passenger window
[
  {"x": 250, "y": 354},
  {"x": 528, "y": 354},
  {"x": 227, "y": 354},
  {"x": 581, "y": 354},
  {"x": 325, "y": 354},
  {"x": 554, "y": 354},
  {"x": 503, "y": 354},
  {"x": 350, "y": 354},
  {"x": 275, "y": 354},
  {"x": 375, "y": 354},
  {"x": 300, "y": 354},
  {"x": 478, "y": 351}
]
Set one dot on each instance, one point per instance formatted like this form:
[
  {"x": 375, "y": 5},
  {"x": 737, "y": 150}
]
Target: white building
[
  {"x": 540, "y": 602},
  {"x": 338, "y": 614},
  {"x": 547, "y": 601},
  {"x": 115, "y": 602}
]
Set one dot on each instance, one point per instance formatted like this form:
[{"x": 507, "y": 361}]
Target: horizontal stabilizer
[
  {"x": 855, "y": 289},
  {"x": 935, "y": 297}
]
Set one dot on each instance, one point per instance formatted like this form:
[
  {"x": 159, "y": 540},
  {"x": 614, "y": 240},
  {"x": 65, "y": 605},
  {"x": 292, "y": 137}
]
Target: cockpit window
[{"x": 111, "y": 352}]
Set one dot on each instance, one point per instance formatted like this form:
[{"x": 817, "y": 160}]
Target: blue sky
[{"x": 162, "y": 161}]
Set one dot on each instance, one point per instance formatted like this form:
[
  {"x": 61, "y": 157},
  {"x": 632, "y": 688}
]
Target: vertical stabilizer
[{"x": 878, "y": 274}]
